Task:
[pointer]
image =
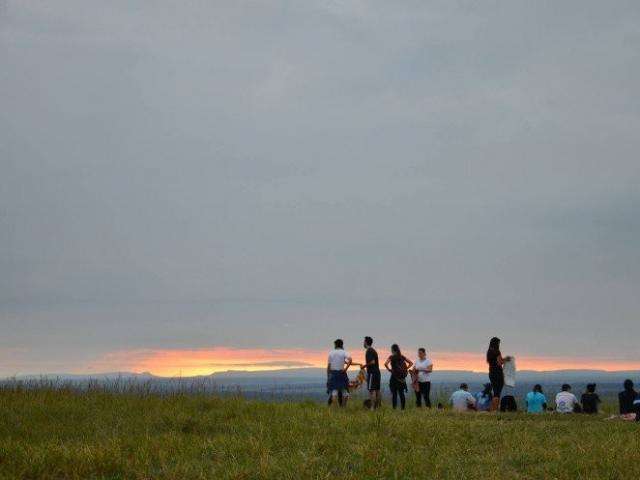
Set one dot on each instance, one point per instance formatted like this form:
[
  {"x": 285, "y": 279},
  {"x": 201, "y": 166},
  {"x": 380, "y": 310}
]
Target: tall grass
[{"x": 54, "y": 433}]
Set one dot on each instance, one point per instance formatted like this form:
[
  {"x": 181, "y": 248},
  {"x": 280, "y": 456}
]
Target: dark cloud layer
[{"x": 280, "y": 173}]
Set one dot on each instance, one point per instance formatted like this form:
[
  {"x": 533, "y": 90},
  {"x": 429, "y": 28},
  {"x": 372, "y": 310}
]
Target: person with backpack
[{"x": 399, "y": 366}]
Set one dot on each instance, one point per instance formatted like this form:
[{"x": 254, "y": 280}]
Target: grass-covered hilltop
[{"x": 57, "y": 434}]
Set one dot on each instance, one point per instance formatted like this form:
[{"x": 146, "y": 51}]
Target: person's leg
[
  {"x": 345, "y": 397},
  {"x": 340, "y": 397},
  {"x": 333, "y": 399},
  {"x": 402, "y": 399},
  {"x": 418, "y": 397},
  {"x": 394, "y": 394},
  {"x": 427, "y": 394}
]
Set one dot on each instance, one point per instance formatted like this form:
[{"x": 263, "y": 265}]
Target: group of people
[
  {"x": 402, "y": 371},
  {"x": 536, "y": 402},
  {"x": 399, "y": 366}
]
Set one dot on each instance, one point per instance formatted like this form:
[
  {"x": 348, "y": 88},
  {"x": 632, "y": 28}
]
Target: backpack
[{"x": 400, "y": 370}]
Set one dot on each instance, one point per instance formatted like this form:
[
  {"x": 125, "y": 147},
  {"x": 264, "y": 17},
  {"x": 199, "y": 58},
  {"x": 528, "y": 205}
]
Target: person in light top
[
  {"x": 535, "y": 400},
  {"x": 461, "y": 400},
  {"x": 483, "y": 398},
  {"x": 566, "y": 402},
  {"x": 423, "y": 367},
  {"x": 338, "y": 363}
]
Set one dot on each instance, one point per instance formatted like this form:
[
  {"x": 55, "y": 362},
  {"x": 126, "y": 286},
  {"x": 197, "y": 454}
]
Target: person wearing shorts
[
  {"x": 338, "y": 363},
  {"x": 373, "y": 373}
]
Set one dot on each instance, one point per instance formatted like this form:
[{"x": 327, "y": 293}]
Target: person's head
[
  {"x": 494, "y": 343},
  {"x": 591, "y": 388},
  {"x": 628, "y": 385},
  {"x": 338, "y": 343},
  {"x": 537, "y": 388},
  {"x": 422, "y": 353},
  {"x": 566, "y": 387},
  {"x": 487, "y": 389},
  {"x": 464, "y": 386},
  {"x": 368, "y": 341},
  {"x": 395, "y": 349}
]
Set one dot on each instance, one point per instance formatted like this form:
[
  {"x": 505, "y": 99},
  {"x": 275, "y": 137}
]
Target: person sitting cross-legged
[{"x": 461, "y": 400}]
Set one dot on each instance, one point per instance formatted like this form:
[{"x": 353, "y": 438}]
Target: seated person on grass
[
  {"x": 461, "y": 400},
  {"x": 590, "y": 399},
  {"x": 535, "y": 400},
  {"x": 566, "y": 402},
  {"x": 628, "y": 399},
  {"x": 483, "y": 398}
]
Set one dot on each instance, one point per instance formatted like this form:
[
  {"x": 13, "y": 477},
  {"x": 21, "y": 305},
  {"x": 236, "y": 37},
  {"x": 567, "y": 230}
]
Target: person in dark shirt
[
  {"x": 373, "y": 373},
  {"x": 496, "y": 373},
  {"x": 590, "y": 399},
  {"x": 626, "y": 398},
  {"x": 399, "y": 366}
]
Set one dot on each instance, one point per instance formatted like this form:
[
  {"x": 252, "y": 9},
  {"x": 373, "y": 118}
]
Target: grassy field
[{"x": 60, "y": 435}]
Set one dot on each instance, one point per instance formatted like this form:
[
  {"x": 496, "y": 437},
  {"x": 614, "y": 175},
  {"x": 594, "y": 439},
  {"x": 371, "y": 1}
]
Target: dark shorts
[
  {"x": 338, "y": 380},
  {"x": 496, "y": 377},
  {"x": 373, "y": 381}
]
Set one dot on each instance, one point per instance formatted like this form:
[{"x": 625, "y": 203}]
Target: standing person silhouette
[
  {"x": 496, "y": 373},
  {"x": 373, "y": 373},
  {"x": 399, "y": 366},
  {"x": 423, "y": 367},
  {"x": 338, "y": 363}
]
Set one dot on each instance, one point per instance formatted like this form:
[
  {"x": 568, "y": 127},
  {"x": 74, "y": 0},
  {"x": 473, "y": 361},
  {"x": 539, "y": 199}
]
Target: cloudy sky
[{"x": 191, "y": 185}]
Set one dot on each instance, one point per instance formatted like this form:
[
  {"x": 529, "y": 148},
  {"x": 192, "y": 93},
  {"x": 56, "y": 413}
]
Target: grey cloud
[{"x": 207, "y": 173}]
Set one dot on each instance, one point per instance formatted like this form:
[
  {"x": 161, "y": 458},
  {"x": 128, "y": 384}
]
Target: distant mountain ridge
[{"x": 317, "y": 374}]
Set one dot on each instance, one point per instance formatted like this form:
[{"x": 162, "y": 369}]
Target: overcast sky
[{"x": 274, "y": 174}]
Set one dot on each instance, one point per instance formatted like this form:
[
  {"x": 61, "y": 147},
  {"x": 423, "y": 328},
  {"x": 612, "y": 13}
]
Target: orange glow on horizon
[{"x": 192, "y": 362}]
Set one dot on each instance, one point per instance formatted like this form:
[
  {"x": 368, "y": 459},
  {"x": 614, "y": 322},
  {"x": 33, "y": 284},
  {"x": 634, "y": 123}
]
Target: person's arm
[
  {"x": 471, "y": 402},
  {"x": 386, "y": 364},
  {"x": 328, "y": 365},
  {"x": 347, "y": 362},
  {"x": 408, "y": 362},
  {"x": 500, "y": 360}
]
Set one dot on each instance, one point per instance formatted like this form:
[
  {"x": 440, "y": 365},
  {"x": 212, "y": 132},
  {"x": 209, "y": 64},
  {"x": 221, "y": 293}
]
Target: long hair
[
  {"x": 494, "y": 347},
  {"x": 395, "y": 349}
]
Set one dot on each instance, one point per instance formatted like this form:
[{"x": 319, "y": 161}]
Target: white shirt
[
  {"x": 565, "y": 401},
  {"x": 337, "y": 359},
  {"x": 461, "y": 399},
  {"x": 420, "y": 366},
  {"x": 509, "y": 369}
]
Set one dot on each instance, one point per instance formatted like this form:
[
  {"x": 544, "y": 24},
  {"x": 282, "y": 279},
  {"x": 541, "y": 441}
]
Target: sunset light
[{"x": 185, "y": 362}]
